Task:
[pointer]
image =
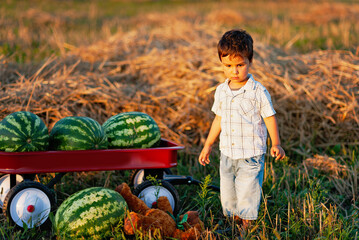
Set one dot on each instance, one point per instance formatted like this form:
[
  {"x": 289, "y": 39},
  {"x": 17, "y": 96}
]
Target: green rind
[
  {"x": 90, "y": 213},
  {"x": 23, "y": 132},
  {"x": 77, "y": 133},
  {"x": 132, "y": 130}
]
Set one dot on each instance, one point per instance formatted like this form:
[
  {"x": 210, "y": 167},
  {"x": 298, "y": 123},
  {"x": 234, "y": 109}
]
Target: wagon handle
[
  {"x": 55, "y": 180},
  {"x": 179, "y": 179}
]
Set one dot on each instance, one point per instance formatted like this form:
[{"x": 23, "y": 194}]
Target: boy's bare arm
[
  {"x": 212, "y": 136},
  {"x": 272, "y": 126}
]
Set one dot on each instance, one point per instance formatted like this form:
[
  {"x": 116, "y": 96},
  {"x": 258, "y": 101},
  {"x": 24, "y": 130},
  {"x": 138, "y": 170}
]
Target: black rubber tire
[
  {"x": 3, "y": 191},
  {"x": 163, "y": 186},
  {"x": 158, "y": 173},
  {"x": 24, "y": 185}
]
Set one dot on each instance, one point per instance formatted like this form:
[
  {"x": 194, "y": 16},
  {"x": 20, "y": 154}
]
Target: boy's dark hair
[{"x": 236, "y": 42}]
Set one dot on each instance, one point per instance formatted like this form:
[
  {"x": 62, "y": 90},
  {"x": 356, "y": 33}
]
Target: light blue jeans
[{"x": 241, "y": 186}]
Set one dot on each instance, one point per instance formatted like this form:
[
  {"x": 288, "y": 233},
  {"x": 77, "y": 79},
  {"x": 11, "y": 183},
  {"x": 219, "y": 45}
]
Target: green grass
[
  {"x": 31, "y": 37},
  {"x": 297, "y": 203}
]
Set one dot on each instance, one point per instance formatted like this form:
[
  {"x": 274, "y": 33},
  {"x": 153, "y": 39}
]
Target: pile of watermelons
[
  {"x": 25, "y": 131},
  {"x": 93, "y": 212}
]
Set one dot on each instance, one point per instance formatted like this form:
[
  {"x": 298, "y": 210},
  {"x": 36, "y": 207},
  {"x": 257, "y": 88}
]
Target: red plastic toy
[
  {"x": 164, "y": 156},
  {"x": 27, "y": 202}
]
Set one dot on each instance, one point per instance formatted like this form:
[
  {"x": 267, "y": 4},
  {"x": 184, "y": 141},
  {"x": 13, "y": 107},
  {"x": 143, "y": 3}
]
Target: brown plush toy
[
  {"x": 193, "y": 228},
  {"x": 147, "y": 219},
  {"x": 144, "y": 218}
]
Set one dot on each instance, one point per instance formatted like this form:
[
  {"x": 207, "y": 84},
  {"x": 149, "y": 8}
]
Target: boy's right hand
[{"x": 204, "y": 156}]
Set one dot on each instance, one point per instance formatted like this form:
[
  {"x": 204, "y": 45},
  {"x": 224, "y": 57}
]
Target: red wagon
[{"x": 25, "y": 201}]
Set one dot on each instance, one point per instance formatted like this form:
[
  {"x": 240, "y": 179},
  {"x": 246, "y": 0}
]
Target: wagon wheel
[
  {"x": 5, "y": 186},
  {"x": 150, "y": 191},
  {"x": 138, "y": 176},
  {"x": 29, "y": 203}
]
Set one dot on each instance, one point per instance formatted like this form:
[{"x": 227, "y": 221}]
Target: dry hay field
[{"x": 166, "y": 65}]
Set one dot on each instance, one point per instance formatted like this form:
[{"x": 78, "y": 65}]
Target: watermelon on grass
[
  {"x": 23, "y": 132},
  {"x": 132, "y": 130},
  {"x": 77, "y": 133},
  {"x": 90, "y": 214}
]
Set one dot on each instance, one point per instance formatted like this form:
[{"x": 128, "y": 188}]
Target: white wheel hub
[
  {"x": 150, "y": 195},
  {"x": 30, "y": 206},
  {"x": 5, "y": 186}
]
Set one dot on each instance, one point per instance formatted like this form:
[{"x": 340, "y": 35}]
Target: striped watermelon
[
  {"x": 89, "y": 214},
  {"x": 23, "y": 132},
  {"x": 77, "y": 133},
  {"x": 132, "y": 130}
]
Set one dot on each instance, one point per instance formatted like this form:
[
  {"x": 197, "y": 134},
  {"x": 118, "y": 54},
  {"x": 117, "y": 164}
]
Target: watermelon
[
  {"x": 23, "y": 132},
  {"x": 77, "y": 133},
  {"x": 132, "y": 130},
  {"x": 90, "y": 214}
]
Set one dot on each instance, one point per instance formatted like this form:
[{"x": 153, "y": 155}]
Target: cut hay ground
[{"x": 170, "y": 71}]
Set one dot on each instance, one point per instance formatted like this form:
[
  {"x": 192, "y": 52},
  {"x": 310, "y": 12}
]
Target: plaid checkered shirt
[{"x": 243, "y": 131}]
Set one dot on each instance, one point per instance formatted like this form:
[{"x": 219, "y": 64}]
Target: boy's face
[{"x": 236, "y": 69}]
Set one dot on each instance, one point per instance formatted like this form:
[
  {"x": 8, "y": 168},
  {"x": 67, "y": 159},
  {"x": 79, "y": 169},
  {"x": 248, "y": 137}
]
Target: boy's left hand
[{"x": 277, "y": 152}]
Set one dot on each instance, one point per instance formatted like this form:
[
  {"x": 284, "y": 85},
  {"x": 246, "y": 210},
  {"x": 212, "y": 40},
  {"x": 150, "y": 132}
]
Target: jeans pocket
[
  {"x": 254, "y": 161},
  {"x": 251, "y": 162}
]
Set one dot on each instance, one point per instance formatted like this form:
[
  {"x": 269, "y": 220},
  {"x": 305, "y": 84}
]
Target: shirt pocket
[{"x": 246, "y": 106}]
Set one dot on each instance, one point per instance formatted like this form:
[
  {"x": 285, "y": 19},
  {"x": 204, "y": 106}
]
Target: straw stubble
[{"x": 170, "y": 72}]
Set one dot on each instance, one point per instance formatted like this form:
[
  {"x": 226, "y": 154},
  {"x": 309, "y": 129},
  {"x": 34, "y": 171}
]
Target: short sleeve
[
  {"x": 266, "y": 108},
  {"x": 216, "y": 108}
]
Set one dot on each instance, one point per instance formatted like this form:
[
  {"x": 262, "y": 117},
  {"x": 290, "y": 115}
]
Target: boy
[{"x": 244, "y": 113}]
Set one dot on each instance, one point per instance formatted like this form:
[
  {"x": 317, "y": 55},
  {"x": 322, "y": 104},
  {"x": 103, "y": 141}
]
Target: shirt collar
[{"x": 250, "y": 85}]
